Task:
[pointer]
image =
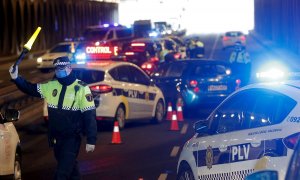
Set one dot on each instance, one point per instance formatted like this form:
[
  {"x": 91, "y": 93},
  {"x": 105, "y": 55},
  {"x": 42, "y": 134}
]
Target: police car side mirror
[
  {"x": 201, "y": 127},
  {"x": 11, "y": 115},
  {"x": 264, "y": 174}
]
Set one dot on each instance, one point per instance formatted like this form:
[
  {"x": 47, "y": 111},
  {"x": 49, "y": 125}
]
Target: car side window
[
  {"x": 114, "y": 73},
  {"x": 122, "y": 73},
  {"x": 268, "y": 108},
  {"x": 137, "y": 76},
  {"x": 229, "y": 116}
]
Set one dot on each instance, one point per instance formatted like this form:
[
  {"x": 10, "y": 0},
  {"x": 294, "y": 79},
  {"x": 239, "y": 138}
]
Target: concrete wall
[
  {"x": 59, "y": 19},
  {"x": 279, "y": 21}
]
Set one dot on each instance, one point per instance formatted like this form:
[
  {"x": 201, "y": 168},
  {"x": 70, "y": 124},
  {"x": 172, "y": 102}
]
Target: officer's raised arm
[{"x": 25, "y": 86}]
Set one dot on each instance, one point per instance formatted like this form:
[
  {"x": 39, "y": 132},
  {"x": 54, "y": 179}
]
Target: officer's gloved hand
[
  {"x": 89, "y": 147},
  {"x": 13, "y": 75}
]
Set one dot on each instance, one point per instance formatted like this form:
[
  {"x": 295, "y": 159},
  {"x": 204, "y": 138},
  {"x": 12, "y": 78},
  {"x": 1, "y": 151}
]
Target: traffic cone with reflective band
[
  {"x": 179, "y": 112},
  {"x": 169, "y": 113},
  {"x": 116, "y": 138},
  {"x": 174, "y": 123}
]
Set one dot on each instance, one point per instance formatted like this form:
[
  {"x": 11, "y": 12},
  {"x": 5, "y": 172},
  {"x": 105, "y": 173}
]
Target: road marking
[
  {"x": 214, "y": 47},
  {"x": 163, "y": 176},
  {"x": 175, "y": 151},
  {"x": 184, "y": 129},
  {"x": 32, "y": 72}
]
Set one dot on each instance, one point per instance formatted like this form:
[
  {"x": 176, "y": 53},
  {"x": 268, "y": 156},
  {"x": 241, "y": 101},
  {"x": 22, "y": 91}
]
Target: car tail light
[
  {"x": 238, "y": 84},
  {"x": 138, "y": 44},
  {"x": 193, "y": 83},
  {"x": 129, "y": 53},
  {"x": 225, "y": 38},
  {"x": 101, "y": 88},
  {"x": 196, "y": 89},
  {"x": 154, "y": 59},
  {"x": 177, "y": 55},
  {"x": 291, "y": 140},
  {"x": 147, "y": 66},
  {"x": 243, "y": 38}
]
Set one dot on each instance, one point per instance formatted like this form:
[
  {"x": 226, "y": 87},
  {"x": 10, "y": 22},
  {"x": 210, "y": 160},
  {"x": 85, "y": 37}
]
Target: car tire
[
  {"x": 120, "y": 116},
  {"x": 185, "y": 173},
  {"x": 159, "y": 112}
]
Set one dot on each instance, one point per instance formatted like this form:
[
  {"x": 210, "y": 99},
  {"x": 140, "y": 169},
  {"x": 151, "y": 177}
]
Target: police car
[
  {"x": 122, "y": 91},
  {"x": 10, "y": 151},
  {"x": 253, "y": 128},
  {"x": 45, "y": 62}
]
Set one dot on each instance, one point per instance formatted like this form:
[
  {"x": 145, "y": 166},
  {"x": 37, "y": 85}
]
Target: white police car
[
  {"x": 10, "y": 151},
  {"x": 45, "y": 62},
  {"x": 122, "y": 91},
  {"x": 253, "y": 128}
]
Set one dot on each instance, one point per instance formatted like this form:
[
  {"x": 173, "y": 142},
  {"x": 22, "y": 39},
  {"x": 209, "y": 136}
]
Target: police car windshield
[
  {"x": 61, "y": 48},
  {"x": 89, "y": 76}
]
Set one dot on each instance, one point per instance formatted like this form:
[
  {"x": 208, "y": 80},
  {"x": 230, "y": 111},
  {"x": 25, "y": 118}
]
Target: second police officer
[{"x": 71, "y": 112}]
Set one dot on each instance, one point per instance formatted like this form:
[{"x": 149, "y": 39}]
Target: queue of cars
[{"x": 251, "y": 128}]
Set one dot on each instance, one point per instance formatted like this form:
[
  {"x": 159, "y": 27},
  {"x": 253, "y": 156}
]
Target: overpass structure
[
  {"x": 279, "y": 22},
  {"x": 59, "y": 19}
]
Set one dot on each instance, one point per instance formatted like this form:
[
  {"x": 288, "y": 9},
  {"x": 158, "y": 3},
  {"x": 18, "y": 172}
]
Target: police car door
[
  {"x": 261, "y": 136},
  {"x": 216, "y": 149},
  {"x": 143, "y": 95}
]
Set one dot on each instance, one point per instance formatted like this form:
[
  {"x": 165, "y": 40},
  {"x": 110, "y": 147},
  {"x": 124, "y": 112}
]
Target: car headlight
[{"x": 39, "y": 60}]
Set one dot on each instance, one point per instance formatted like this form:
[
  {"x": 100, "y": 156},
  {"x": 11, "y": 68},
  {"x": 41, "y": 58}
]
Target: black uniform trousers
[{"x": 66, "y": 150}]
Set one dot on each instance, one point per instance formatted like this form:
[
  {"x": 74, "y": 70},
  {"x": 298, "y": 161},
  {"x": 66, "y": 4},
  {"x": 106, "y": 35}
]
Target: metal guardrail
[{"x": 12, "y": 97}]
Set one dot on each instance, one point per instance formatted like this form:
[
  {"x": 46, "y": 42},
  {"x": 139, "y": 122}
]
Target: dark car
[{"x": 195, "y": 82}]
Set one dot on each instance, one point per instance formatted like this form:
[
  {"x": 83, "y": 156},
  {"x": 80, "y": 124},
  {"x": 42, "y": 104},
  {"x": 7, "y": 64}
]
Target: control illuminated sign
[{"x": 101, "y": 52}]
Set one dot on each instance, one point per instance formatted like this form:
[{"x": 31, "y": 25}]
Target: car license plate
[{"x": 217, "y": 88}]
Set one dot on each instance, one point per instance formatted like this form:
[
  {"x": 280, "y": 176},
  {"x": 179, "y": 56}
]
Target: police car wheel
[
  {"x": 185, "y": 173},
  {"x": 159, "y": 112},
  {"x": 17, "y": 171},
  {"x": 120, "y": 116}
]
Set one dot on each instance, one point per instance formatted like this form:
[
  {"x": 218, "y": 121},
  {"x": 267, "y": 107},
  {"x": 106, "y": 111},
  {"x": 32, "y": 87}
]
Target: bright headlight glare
[{"x": 39, "y": 59}]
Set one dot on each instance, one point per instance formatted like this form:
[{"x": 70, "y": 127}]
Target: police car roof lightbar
[{"x": 26, "y": 48}]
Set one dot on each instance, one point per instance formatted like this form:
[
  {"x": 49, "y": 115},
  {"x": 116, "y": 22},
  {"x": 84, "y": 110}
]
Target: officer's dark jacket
[{"x": 71, "y": 109}]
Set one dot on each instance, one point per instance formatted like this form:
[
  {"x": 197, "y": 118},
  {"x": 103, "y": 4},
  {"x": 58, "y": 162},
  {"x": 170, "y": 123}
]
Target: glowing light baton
[{"x": 26, "y": 48}]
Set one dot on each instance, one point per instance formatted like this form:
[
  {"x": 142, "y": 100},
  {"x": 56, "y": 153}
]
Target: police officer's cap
[{"x": 61, "y": 62}]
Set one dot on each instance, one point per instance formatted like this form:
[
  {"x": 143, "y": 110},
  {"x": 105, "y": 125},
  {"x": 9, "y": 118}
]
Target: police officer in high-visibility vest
[
  {"x": 71, "y": 112},
  {"x": 240, "y": 63}
]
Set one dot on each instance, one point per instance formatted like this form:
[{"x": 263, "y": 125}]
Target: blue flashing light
[
  {"x": 80, "y": 58},
  {"x": 153, "y": 34}
]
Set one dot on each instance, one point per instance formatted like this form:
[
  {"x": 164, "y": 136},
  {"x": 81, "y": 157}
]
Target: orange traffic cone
[
  {"x": 174, "y": 123},
  {"x": 169, "y": 113},
  {"x": 179, "y": 112},
  {"x": 116, "y": 138}
]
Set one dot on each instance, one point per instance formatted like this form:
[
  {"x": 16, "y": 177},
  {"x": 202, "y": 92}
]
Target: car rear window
[
  {"x": 233, "y": 34},
  {"x": 89, "y": 76},
  {"x": 209, "y": 70}
]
